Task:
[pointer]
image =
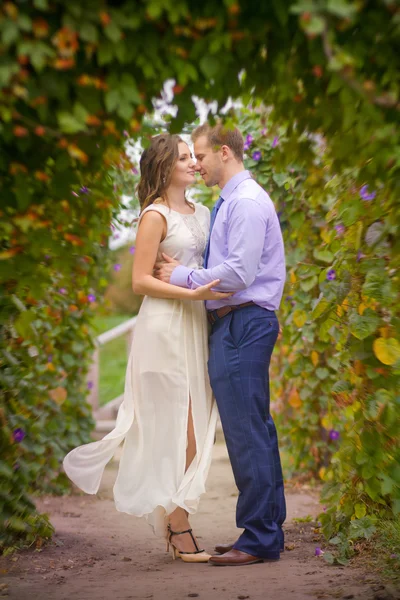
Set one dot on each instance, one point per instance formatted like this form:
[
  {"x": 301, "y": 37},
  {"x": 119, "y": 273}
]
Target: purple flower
[
  {"x": 331, "y": 274},
  {"x": 360, "y": 255},
  {"x": 340, "y": 229},
  {"x": 365, "y": 195},
  {"x": 256, "y": 155},
  {"x": 132, "y": 250},
  {"x": 246, "y": 146},
  {"x": 393, "y": 556},
  {"x": 90, "y": 385},
  {"x": 116, "y": 236},
  {"x": 112, "y": 227},
  {"x": 126, "y": 134},
  {"x": 62, "y": 291},
  {"x": 288, "y": 298},
  {"x": 134, "y": 171},
  {"x": 91, "y": 298},
  {"x": 18, "y": 435},
  {"x": 84, "y": 190},
  {"x": 117, "y": 267},
  {"x": 318, "y": 551},
  {"x": 50, "y": 358},
  {"x": 47, "y": 257},
  {"x": 16, "y": 466},
  {"x": 249, "y": 139},
  {"x": 334, "y": 435},
  {"x": 264, "y": 131},
  {"x": 75, "y": 194},
  {"x": 275, "y": 142}
]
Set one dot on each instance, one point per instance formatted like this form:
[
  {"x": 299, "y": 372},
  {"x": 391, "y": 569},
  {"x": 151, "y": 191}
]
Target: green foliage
[
  {"x": 73, "y": 76},
  {"x": 336, "y": 375}
]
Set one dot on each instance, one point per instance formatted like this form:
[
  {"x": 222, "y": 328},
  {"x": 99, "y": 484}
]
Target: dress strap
[{"x": 160, "y": 208}]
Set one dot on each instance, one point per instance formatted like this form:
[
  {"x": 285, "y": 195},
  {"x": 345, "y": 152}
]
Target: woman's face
[{"x": 184, "y": 172}]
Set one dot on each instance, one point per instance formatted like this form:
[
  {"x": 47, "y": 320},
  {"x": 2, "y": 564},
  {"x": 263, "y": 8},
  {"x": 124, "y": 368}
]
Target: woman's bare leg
[{"x": 179, "y": 518}]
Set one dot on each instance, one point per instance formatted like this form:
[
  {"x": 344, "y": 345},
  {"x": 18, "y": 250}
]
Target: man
[{"x": 245, "y": 251}]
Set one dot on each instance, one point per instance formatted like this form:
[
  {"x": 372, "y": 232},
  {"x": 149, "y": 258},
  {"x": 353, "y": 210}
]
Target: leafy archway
[{"x": 75, "y": 79}]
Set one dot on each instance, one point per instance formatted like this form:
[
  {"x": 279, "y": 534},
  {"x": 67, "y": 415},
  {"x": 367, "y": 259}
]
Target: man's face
[{"x": 209, "y": 164}]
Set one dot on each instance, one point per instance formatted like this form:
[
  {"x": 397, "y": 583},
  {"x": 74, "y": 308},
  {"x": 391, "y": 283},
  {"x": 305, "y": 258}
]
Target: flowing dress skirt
[{"x": 167, "y": 369}]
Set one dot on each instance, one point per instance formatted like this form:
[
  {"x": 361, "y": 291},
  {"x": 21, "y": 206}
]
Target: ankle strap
[
  {"x": 171, "y": 533},
  {"x": 179, "y": 532}
]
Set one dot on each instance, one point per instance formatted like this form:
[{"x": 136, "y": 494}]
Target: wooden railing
[{"x": 105, "y": 415}]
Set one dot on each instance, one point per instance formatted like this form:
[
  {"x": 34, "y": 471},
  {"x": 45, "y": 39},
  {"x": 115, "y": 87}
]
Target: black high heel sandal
[{"x": 199, "y": 556}]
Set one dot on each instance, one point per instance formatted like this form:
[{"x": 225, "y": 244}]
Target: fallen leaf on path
[{"x": 290, "y": 547}]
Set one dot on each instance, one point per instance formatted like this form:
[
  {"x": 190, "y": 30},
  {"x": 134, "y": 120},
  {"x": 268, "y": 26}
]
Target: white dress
[{"x": 167, "y": 366}]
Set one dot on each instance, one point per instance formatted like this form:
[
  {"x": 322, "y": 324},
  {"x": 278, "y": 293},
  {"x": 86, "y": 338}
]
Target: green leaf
[
  {"x": 374, "y": 233},
  {"x": 341, "y": 386},
  {"x": 362, "y": 326},
  {"x": 387, "y": 484},
  {"x": 321, "y": 307},
  {"x": 23, "y": 325},
  {"x": 360, "y": 510},
  {"x": 280, "y": 180},
  {"x": 308, "y": 284},
  {"x": 69, "y": 123},
  {"x": 335, "y": 541},
  {"x": 112, "y": 99},
  {"x": 105, "y": 53},
  {"x": 323, "y": 255},
  {"x": 329, "y": 558},
  {"x": 88, "y": 32},
  {"x": 9, "y": 33},
  {"x": 129, "y": 88},
  {"x": 113, "y": 32},
  {"x": 209, "y": 65},
  {"x": 322, "y": 373},
  {"x": 341, "y": 8}
]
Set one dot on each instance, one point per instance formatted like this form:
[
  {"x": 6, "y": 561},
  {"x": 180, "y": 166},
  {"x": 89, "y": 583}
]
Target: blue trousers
[{"x": 241, "y": 344}]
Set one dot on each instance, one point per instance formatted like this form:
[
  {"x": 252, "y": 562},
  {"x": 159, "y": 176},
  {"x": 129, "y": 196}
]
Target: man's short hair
[{"x": 221, "y": 135}]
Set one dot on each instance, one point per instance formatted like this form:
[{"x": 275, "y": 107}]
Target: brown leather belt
[{"x": 213, "y": 315}]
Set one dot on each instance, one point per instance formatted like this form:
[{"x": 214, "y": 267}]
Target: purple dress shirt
[{"x": 246, "y": 249}]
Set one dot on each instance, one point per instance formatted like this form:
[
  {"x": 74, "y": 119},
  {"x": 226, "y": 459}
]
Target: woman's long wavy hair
[{"x": 156, "y": 165}]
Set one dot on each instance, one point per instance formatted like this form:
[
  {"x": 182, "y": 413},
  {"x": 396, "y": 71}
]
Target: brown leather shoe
[
  {"x": 224, "y": 548},
  {"x": 236, "y": 558}
]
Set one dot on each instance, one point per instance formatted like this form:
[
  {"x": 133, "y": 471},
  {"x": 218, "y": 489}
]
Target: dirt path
[{"x": 100, "y": 554}]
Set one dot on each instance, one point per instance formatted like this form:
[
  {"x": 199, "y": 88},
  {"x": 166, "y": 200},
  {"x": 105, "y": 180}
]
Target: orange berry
[
  {"x": 20, "y": 131},
  {"x": 105, "y": 18},
  {"x": 40, "y": 130},
  {"x": 317, "y": 70}
]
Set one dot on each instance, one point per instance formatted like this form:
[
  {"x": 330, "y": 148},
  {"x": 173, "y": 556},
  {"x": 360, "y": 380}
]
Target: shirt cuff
[{"x": 180, "y": 276}]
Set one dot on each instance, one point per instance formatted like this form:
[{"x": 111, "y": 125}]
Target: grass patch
[
  {"x": 387, "y": 547},
  {"x": 113, "y": 358}
]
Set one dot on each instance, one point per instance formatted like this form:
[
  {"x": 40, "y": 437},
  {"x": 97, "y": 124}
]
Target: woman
[{"x": 168, "y": 417}]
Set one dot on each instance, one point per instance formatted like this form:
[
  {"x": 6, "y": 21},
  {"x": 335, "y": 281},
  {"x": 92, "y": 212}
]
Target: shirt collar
[{"x": 232, "y": 184}]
